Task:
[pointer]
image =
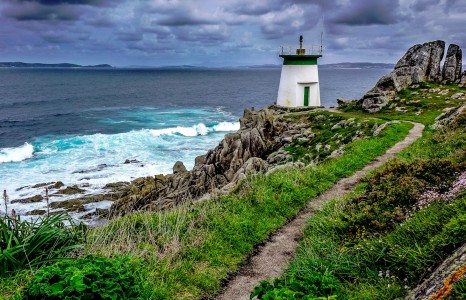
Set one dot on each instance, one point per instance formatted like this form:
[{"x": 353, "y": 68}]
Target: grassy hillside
[
  {"x": 396, "y": 228},
  {"x": 374, "y": 243}
]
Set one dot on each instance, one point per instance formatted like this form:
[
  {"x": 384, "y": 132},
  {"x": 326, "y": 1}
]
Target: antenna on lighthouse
[{"x": 322, "y": 35}]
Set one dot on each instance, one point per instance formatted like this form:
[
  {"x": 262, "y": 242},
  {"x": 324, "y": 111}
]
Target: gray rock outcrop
[
  {"x": 436, "y": 282},
  {"x": 237, "y": 155},
  {"x": 419, "y": 64},
  {"x": 453, "y": 62}
]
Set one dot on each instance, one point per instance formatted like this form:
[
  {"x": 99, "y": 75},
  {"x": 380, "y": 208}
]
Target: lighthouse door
[{"x": 306, "y": 96}]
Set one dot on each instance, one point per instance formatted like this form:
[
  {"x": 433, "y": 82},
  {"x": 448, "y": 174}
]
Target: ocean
[{"x": 80, "y": 126}]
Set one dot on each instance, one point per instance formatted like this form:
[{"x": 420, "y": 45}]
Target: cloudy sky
[{"x": 220, "y": 32}]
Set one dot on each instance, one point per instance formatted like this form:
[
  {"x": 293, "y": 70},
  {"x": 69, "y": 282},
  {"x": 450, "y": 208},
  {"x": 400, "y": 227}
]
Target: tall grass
[
  {"x": 385, "y": 264},
  {"x": 189, "y": 250},
  {"x": 30, "y": 244}
]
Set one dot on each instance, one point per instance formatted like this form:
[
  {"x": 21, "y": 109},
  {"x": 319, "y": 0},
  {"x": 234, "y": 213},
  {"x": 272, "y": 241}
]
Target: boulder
[
  {"x": 420, "y": 63},
  {"x": 342, "y": 101},
  {"x": 452, "y": 66},
  {"x": 179, "y": 168}
]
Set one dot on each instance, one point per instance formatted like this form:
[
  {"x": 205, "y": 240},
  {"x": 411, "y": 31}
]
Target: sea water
[{"x": 80, "y": 126}]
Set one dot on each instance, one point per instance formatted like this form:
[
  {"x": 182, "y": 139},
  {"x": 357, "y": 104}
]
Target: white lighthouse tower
[{"x": 299, "y": 80}]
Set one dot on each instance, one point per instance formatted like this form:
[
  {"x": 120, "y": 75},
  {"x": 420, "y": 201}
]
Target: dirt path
[{"x": 274, "y": 256}]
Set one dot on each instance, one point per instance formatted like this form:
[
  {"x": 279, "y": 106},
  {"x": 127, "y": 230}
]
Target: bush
[
  {"x": 309, "y": 286},
  {"x": 459, "y": 290},
  {"x": 392, "y": 193},
  {"x": 86, "y": 278},
  {"x": 29, "y": 244}
]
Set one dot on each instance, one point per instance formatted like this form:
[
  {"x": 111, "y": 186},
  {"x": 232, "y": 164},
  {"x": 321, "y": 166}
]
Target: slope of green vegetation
[
  {"x": 187, "y": 252},
  {"x": 400, "y": 223},
  {"x": 375, "y": 244},
  {"x": 422, "y": 103}
]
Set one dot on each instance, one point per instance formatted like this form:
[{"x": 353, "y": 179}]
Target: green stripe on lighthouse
[{"x": 299, "y": 60}]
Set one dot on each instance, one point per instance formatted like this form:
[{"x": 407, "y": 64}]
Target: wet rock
[
  {"x": 179, "y": 167},
  {"x": 71, "y": 190},
  {"x": 96, "y": 169},
  {"x": 131, "y": 161},
  {"x": 56, "y": 185},
  {"x": 36, "y": 212},
  {"x": 453, "y": 62},
  {"x": 33, "y": 199},
  {"x": 39, "y": 185}
]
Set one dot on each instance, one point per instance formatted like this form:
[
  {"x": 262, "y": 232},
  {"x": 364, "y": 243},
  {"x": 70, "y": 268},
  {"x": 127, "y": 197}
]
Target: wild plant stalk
[
  {"x": 47, "y": 199},
  {"x": 5, "y": 199}
]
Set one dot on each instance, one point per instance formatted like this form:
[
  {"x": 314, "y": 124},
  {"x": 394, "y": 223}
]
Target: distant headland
[{"x": 41, "y": 65}]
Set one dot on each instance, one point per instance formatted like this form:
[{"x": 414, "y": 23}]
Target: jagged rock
[
  {"x": 379, "y": 129},
  {"x": 37, "y": 212},
  {"x": 420, "y": 63},
  {"x": 71, "y": 190},
  {"x": 237, "y": 155},
  {"x": 131, "y": 161},
  {"x": 436, "y": 281},
  {"x": 179, "y": 167},
  {"x": 457, "y": 96},
  {"x": 463, "y": 80},
  {"x": 342, "y": 101},
  {"x": 41, "y": 185},
  {"x": 453, "y": 63},
  {"x": 33, "y": 199},
  {"x": 57, "y": 185},
  {"x": 448, "y": 116}
]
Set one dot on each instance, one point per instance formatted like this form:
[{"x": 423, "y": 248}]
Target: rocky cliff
[
  {"x": 267, "y": 139},
  {"x": 419, "y": 64},
  {"x": 237, "y": 155}
]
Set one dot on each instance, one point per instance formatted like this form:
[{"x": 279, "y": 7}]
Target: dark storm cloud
[
  {"x": 71, "y": 2},
  {"x": 422, "y": 5},
  {"x": 137, "y": 30},
  {"x": 183, "y": 19},
  {"x": 256, "y": 8},
  {"x": 37, "y": 12},
  {"x": 361, "y": 12},
  {"x": 133, "y": 36}
]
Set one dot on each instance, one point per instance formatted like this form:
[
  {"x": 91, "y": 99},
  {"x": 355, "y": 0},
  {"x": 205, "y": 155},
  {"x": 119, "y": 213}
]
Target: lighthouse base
[{"x": 299, "y": 86}]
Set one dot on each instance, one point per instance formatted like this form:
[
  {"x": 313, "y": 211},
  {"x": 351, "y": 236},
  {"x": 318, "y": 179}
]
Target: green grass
[
  {"x": 189, "y": 250},
  {"x": 330, "y": 129},
  {"x": 421, "y": 105},
  {"x": 383, "y": 264}
]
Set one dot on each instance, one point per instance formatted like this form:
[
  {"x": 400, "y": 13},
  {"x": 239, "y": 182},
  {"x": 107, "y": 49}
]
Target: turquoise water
[{"x": 80, "y": 126}]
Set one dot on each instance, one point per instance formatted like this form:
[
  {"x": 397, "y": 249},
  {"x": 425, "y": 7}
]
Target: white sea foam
[
  {"x": 196, "y": 130},
  {"x": 91, "y": 161},
  {"x": 226, "y": 126},
  {"x": 16, "y": 154}
]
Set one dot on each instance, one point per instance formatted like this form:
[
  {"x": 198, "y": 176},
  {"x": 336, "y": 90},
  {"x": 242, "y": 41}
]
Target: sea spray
[{"x": 16, "y": 154}]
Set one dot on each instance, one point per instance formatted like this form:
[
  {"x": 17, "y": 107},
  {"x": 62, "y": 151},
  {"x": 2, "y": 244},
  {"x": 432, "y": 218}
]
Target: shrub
[
  {"x": 86, "y": 278},
  {"x": 459, "y": 290},
  {"x": 392, "y": 193},
  {"x": 28, "y": 244},
  {"x": 309, "y": 286}
]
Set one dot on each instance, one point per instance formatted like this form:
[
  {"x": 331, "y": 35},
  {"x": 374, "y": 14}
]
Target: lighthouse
[{"x": 299, "y": 80}]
